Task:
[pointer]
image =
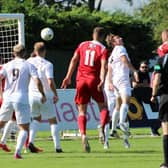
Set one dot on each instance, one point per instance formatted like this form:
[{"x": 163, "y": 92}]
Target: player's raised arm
[{"x": 71, "y": 69}]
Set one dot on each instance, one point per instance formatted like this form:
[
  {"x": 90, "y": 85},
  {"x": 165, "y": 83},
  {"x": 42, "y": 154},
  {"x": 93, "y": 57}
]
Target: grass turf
[{"x": 145, "y": 152}]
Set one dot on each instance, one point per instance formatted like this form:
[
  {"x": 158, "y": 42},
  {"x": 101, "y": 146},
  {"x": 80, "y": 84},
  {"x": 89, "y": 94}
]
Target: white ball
[{"x": 47, "y": 34}]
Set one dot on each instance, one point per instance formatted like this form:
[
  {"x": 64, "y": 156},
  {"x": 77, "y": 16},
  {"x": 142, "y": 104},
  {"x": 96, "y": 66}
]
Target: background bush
[{"x": 75, "y": 25}]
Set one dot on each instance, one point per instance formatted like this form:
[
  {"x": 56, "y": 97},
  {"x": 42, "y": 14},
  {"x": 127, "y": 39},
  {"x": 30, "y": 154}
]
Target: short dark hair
[
  {"x": 100, "y": 31},
  {"x": 144, "y": 62}
]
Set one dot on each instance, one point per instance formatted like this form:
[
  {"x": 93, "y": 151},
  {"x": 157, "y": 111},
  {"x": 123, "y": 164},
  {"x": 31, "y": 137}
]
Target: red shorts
[{"x": 85, "y": 89}]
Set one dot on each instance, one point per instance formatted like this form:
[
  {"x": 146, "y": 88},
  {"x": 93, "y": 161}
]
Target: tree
[
  {"x": 155, "y": 13},
  {"x": 91, "y": 4}
]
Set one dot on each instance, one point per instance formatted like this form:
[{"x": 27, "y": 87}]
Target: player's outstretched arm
[
  {"x": 131, "y": 67},
  {"x": 71, "y": 69}
]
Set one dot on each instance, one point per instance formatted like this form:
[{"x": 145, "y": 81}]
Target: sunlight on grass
[{"x": 145, "y": 152}]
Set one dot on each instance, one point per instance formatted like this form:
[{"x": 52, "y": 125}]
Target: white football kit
[
  {"x": 120, "y": 77},
  {"x": 45, "y": 71},
  {"x": 17, "y": 74},
  {"x": 110, "y": 96}
]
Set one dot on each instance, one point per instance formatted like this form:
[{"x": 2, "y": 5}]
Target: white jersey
[
  {"x": 106, "y": 83},
  {"x": 45, "y": 71},
  {"x": 17, "y": 75},
  {"x": 120, "y": 71}
]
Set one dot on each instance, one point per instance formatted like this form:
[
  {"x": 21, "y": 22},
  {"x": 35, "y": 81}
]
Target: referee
[{"x": 160, "y": 88}]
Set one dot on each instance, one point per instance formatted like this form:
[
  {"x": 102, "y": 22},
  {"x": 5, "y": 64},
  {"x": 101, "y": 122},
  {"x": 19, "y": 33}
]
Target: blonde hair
[{"x": 19, "y": 50}]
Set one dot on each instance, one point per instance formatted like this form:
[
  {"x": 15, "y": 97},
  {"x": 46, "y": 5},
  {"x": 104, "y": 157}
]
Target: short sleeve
[
  {"x": 105, "y": 54},
  {"x": 49, "y": 71}
]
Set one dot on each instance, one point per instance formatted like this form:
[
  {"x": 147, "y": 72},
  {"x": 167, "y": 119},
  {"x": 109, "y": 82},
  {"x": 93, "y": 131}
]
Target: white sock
[
  {"x": 55, "y": 135},
  {"x": 22, "y": 136},
  {"x": 6, "y": 131},
  {"x": 125, "y": 137},
  {"x": 115, "y": 118},
  {"x": 123, "y": 112},
  {"x": 106, "y": 132},
  {"x": 127, "y": 124},
  {"x": 34, "y": 126}
]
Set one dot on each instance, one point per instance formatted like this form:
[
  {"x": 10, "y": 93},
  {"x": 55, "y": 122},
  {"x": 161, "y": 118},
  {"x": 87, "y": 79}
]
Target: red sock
[
  {"x": 82, "y": 124},
  {"x": 104, "y": 117}
]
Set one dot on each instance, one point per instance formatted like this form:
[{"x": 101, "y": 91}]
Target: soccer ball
[{"x": 47, "y": 34}]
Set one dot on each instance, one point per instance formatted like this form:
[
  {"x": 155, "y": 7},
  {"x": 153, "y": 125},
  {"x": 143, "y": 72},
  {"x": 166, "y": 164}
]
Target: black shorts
[{"x": 163, "y": 108}]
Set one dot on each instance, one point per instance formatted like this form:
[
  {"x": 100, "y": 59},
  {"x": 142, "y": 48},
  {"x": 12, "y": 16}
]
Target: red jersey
[
  {"x": 91, "y": 53},
  {"x": 163, "y": 49}
]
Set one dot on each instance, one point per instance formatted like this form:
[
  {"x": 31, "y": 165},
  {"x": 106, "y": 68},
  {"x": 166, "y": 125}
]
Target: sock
[
  {"x": 27, "y": 141},
  {"x": 104, "y": 117},
  {"x": 106, "y": 132},
  {"x": 82, "y": 124},
  {"x": 127, "y": 124},
  {"x": 115, "y": 118},
  {"x": 111, "y": 106},
  {"x": 165, "y": 148},
  {"x": 55, "y": 135},
  {"x": 123, "y": 112},
  {"x": 21, "y": 140},
  {"x": 125, "y": 136},
  {"x": 34, "y": 126},
  {"x": 6, "y": 131}
]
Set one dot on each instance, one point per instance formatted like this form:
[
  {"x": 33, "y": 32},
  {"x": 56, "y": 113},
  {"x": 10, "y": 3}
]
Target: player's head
[
  {"x": 39, "y": 49},
  {"x": 19, "y": 50},
  {"x": 117, "y": 40},
  {"x": 165, "y": 35},
  {"x": 99, "y": 34},
  {"x": 163, "y": 49},
  {"x": 109, "y": 39}
]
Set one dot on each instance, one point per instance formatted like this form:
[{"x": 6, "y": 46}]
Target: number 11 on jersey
[{"x": 89, "y": 57}]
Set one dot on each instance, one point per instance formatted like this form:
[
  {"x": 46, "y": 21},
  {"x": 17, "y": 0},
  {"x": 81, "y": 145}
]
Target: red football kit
[{"x": 88, "y": 75}]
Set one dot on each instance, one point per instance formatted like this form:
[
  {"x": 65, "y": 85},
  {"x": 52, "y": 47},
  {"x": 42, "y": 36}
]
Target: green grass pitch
[{"x": 145, "y": 152}]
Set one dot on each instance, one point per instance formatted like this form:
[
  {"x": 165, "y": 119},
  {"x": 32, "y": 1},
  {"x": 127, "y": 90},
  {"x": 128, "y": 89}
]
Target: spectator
[{"x": 142, "y": 92}]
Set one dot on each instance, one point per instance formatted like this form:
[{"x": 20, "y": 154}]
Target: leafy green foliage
[
  {"x": 156, "y": 14},
  {"x": 74, "y": 26}
]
